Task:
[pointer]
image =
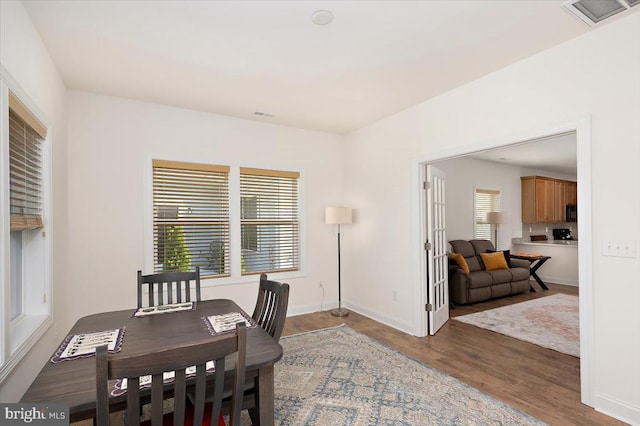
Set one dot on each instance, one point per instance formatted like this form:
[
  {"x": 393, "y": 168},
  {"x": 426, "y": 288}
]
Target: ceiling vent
[{"x": 593, "y": 12}]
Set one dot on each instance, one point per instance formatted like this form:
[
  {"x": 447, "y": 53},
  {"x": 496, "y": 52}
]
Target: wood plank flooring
[{"x": 541, "y": 382}]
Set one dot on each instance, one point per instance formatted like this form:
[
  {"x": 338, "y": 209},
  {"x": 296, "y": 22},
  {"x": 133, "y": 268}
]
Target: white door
[{"x": 436, "y": 251}]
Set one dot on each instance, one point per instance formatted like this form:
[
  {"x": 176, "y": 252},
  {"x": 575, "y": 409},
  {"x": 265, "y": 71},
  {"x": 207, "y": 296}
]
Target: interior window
[{"x": 485, "y": 201}]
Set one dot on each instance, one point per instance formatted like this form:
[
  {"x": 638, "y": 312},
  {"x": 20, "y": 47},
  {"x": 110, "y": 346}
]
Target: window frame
[
  {"x": 19, "y": 335},
  {"x": 265, "y": 178},
  {"x": 488, "y": 189},
  {"x": 199, "y": 177},
  {"x": 235, "y": 276}
]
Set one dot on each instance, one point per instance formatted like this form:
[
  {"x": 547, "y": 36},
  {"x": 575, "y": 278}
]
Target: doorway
[{"x": 581, "y": 127}]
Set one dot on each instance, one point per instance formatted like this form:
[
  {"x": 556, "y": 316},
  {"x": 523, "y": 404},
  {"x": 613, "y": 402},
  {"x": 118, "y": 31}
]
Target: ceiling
[
  {"x": 555, "y": 154},
  {"x": 241, "y": 57}
]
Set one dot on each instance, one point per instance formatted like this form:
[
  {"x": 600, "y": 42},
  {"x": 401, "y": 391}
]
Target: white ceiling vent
[{"x": 593, "y": 12}]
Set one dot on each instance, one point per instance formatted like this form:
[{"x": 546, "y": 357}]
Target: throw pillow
[
  {"x": 507, "y": 256},
  {"x": 457, "y": 257},
  {"x": 494, "y": 261}
]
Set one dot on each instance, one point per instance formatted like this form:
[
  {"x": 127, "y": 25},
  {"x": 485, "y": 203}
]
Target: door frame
[{"x": 582, "y": 127}]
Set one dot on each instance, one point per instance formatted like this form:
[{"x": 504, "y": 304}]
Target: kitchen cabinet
[{"x": 545, "y": 199}]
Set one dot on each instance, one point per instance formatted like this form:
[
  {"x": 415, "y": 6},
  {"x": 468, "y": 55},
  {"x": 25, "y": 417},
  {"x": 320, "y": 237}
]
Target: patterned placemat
[
  {"x": 163, "y": 309},
  {"x": 84, "y": 345},
  {"x": 120, "y": 387},
  {"x": 224, "y": 323}
]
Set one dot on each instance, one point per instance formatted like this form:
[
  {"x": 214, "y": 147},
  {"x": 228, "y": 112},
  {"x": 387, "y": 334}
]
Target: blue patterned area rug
[{"x": 337, "y": 376}]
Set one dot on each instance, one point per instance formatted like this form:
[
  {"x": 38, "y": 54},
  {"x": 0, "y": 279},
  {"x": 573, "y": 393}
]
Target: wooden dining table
[{"x": 73, "y": 382}]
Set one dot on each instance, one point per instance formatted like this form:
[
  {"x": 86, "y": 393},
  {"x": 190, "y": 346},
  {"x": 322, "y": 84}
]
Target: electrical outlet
[{"x": 619, "y": 248}]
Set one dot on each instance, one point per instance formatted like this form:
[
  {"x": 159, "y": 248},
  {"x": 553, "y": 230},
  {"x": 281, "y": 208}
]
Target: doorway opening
[{"x": 581, "y": 129}]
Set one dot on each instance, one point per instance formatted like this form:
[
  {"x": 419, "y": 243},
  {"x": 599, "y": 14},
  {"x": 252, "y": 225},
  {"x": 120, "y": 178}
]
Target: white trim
[
  {"x": 582, "y": 127},
  {"x": 418, "y": 212},
  {"x": 17, "y": 339},
  {"x": 618, "y": 409},
  {"x": 557, "y": 280}
]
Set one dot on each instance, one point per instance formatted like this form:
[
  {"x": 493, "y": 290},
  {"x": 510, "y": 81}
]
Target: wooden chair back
[
  {"x": 271, "y": 306},
  {"x": 177, "y": 360},
  {"x": 177, "y": 286}
]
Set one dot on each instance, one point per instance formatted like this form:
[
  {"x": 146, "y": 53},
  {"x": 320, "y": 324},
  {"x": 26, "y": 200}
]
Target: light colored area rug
[
  {"x": 551, "y": 322},
  {"x": 338, "y": 376}
]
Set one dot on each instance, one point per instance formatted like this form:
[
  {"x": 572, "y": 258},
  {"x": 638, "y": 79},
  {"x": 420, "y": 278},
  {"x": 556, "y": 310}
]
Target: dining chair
[
  {"x": 271, "y": 306},
  {"x": 270, "y": 313},
  {"x": 176, "y": 359},
  {"x": 176, "y": 284}
]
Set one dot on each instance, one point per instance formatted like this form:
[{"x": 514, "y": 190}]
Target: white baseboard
[
  {"x": 406, "y": 328},
  {"x": 292, "y": 311},
  {"x": 615, "y": 408},
  {"x": 308, "y": 309},
  {"x": 557, "y": 280}
]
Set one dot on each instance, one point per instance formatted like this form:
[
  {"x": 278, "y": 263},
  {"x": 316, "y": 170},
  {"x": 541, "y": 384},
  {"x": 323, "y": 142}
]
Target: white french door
[{"x": 436, "y": 250}]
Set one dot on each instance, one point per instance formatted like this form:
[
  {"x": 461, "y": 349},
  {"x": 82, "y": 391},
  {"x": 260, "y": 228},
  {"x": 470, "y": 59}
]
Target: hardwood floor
[{"x": 541, "y": 382}]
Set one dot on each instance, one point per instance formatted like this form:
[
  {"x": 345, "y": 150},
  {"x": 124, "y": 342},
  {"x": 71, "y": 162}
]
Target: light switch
[{"x": 619, "y": 248}]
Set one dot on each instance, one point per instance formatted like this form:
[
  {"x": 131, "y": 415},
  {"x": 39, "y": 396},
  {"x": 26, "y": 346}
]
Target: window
[
  {"x": 269, "y": 220},
  {"x": 26, "y": 269},
  {"x": 486, "y": 200},
  {"x": 191, "y": 218}
]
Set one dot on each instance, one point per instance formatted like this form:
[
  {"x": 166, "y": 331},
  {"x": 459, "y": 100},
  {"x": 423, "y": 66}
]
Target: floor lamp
[
  {"x": 338, "y": 216},
  {"x": 496, "y": 218}
]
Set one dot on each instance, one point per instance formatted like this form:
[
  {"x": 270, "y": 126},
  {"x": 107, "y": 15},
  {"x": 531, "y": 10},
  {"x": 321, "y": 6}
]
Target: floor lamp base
[{"x": 340, "y": 312}]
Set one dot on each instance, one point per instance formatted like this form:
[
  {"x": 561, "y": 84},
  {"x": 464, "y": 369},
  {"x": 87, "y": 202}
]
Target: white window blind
[
  {"x": 25, "y": 171},
  {"x": 269, "y": 220},
  {"x": 486, "y": 200},
  {"x": 191, "y": 217}
]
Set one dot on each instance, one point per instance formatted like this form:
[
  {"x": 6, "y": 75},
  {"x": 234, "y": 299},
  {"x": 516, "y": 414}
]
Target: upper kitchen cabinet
[{"x": 545, "y": 199}]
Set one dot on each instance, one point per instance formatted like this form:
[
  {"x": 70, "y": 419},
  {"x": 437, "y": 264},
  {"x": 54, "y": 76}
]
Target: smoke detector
[
  {"x": 322, "y": 17},
  {"x": 593, "y": 12}
]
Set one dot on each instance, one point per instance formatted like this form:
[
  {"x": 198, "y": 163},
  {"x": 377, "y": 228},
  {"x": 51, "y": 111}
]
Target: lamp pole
[
  {"x": 339, "y": 312},
  {"x": 339, "y": 216}
]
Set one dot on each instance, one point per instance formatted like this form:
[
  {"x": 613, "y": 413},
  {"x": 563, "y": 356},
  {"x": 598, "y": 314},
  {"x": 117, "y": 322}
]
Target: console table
[{"x": 537, "y": 260}]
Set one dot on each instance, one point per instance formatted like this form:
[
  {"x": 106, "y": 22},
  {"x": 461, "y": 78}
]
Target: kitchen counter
[
  {"x": 553, "y": 243},
  {"x": 562, "y": 268}
]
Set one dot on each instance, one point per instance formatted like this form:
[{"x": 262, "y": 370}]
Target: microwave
[{"x": 571, "y": 214}]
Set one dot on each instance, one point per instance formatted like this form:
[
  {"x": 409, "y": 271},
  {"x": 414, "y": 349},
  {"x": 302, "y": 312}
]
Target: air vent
[{"x": 593, "y": 12}]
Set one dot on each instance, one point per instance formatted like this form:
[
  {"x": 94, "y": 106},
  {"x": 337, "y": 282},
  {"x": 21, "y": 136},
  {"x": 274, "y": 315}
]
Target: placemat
[
  {"x": 163, "y": 309},
  {"x": 224, "y": 323},
  {"x": 84, "y": 345},
  {"x": 120, "y": 387}
]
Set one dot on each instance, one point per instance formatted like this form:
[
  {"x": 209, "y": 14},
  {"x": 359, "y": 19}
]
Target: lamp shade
[
  {"x": 338, "y": 216},
  {"x": 496, "y": 217}
]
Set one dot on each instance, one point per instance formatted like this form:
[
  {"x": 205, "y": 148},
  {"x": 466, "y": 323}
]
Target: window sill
[{"x": 24, "y": 334}]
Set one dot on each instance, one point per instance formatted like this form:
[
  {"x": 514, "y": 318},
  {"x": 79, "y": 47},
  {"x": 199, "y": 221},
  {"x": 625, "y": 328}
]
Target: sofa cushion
[
  {"x": 467, "y": 251},
  {"x": 482, "y": 246},
  {"x": 457, "y": 257},
  {"x": 500, "y": 276},
  {"x": 463, "y": 247},
  {"x": 493, "y": 261},
  {"x": 480, "y": 279},
  {"x": 520, "y": 274}
]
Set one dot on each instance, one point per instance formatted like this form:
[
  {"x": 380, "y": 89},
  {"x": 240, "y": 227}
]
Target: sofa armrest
[{"x": 519, "y": 263}]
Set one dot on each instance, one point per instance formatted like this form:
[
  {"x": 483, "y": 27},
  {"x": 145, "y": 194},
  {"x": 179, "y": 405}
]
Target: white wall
[
  {"x": 24, "y": 56},
  {"x": 594, "y": 75},
  {"x": 111, "y": 144}
]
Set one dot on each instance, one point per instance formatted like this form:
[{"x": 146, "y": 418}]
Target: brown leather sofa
[{"x": 480, "y": 284}]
